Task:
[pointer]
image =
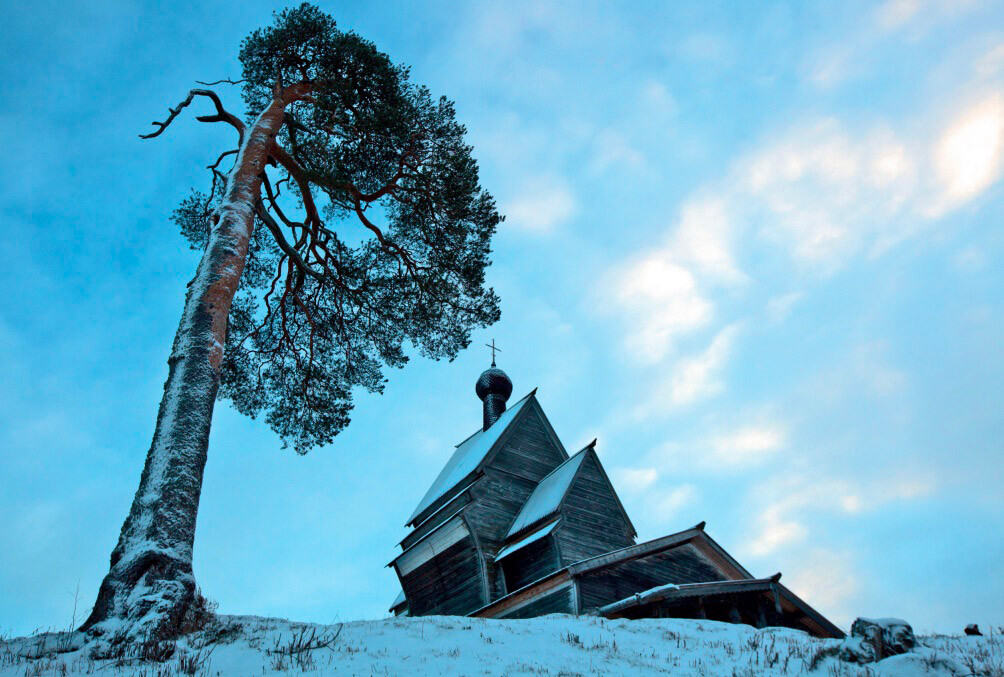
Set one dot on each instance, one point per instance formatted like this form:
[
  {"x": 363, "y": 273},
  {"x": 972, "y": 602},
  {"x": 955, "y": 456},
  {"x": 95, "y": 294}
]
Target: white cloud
[
  {"x": 703, "y": 238},
  {"x": 970, "y": 259},
  {"x": 828, "y": 191},
  {"x": 634, "y": 480},
  {"x": 661, "y": 293},
  {"x": 826, "y": 577},
  {"x": 657, "y": 99},
  {"x": 920, "y": 15},
  {"x": 824, "y": 190},
  {"x": 830, "y": 68},
  {"x": 707, "y": 48},
  {"x": 990, "y": 65},
  {"x": 690, "y": 379},
  {"x": 720, "y": 449},
  {"x": 663, "y": 301},
  {"x": 749, "y": 444},
  {"x": 788, "y": 503},
  {"x": 818, "y": 193},
  {"x": 776, "y": 532},
  {"x": 893, "y": 14},
  {"x": 869, "y": 366},
  {"x": 670, "y": 502},
  {"x": 699, "y": 377},
  {"x": 541, "y": 205},
  {"x": 780, "y": 307},
  {"x": 613, "y": 150}
]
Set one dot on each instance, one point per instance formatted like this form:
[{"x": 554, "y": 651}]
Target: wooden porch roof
[{"x": 784, "y": 598}]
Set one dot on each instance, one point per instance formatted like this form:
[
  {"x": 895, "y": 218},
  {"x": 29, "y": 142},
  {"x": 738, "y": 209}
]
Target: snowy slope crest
[{"x": 550, "y": 645}]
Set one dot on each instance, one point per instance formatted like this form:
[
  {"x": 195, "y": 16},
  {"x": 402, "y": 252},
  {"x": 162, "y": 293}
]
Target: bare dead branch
[
  {"x": 227, "y": 81},
  {"x": 220, "y": 158},
  {"x": 222, "y": 115}
]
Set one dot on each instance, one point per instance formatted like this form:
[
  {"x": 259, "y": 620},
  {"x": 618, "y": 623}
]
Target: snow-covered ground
[{"x": 551, "y": 645}]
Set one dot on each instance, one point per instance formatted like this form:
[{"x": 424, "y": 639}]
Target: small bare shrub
[
  {"x": 298, "y": 650},
  {"x": 199, "y": 616},
  {"x": 822, "y": 653},
  {"x": 192, "y": 663}
]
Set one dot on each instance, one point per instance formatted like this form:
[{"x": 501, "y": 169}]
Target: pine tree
[{"x": 350, "y": 225}]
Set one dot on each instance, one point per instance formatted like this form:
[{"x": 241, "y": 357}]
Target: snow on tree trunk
[{"x": 150, "y": 586}]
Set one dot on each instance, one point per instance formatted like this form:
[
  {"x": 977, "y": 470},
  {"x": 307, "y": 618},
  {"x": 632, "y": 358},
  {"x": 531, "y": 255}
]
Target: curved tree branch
[
  {"x": 280, "y": 239},
  {"x": 227, "y": 81},
  {"x": 222, "y": 115}
]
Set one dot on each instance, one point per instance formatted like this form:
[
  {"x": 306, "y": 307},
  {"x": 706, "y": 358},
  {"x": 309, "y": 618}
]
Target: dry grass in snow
[{"x": 550, "y": 645}]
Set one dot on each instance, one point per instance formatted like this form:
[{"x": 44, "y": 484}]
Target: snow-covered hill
[{"x": 551, "y": 645}]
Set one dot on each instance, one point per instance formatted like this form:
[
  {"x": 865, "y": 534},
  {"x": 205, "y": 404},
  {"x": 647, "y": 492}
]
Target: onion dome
[{"x": 493, "y": 389}]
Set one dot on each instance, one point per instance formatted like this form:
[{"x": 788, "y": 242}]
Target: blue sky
[{"x": 754, "y": 248}]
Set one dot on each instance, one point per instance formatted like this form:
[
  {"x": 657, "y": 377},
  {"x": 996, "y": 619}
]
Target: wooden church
[{"x": 514, "y": 527}]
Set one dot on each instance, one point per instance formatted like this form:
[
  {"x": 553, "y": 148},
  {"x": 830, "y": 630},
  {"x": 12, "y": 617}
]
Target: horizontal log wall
[{"x": 498, "y": 497}]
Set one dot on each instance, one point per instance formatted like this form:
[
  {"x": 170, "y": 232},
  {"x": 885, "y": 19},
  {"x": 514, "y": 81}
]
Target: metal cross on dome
[{"x": 494, "y": 350}]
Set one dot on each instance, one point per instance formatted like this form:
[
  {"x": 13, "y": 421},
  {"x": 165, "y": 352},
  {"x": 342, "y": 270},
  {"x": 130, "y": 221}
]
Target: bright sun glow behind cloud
[{"x": 968, "y": 156}]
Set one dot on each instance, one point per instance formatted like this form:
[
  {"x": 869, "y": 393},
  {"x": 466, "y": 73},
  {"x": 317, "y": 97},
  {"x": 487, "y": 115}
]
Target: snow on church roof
[
  {"x": 548, "y": 494},
  {"x": 397, "y": 601},
  {"x": 532, "y": 538},
  {"x": 467, "y": 458}
]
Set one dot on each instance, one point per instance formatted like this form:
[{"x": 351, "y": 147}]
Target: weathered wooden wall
[
  {"x": 683, "y": 564},
  {"x": 531, "y": 563},
  {"x": 443, "y": 574},
  {"x": 525, "y": 457},
  {"x": 446, "y": 512},
  {"x": 529, "y": 451},
  {"x": 498, "y": 497},
  {"x": 593, "y": 522},
  {"x": 557, "y": 602}
]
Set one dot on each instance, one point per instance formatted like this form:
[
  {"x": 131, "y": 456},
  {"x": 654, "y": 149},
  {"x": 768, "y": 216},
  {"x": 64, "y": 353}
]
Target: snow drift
[{"x": 549, "y": 645}]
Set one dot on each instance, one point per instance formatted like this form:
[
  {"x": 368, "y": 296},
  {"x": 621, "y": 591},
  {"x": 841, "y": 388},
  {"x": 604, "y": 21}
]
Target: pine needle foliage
[{"x": 372, "y": 232}]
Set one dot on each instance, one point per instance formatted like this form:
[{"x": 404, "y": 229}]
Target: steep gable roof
[
  {"x": 548, "y": 494},
  {"x": 468, "y": 457}
]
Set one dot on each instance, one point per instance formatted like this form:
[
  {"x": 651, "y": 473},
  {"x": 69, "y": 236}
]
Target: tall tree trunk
[{"x": 150, "y": 586}]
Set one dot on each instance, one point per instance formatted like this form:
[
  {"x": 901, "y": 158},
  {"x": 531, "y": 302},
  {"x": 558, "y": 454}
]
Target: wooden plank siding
[
  {"x": 560, "y": 601},
  {"x": 448, "y": 584},
  {"x": 530, "y": 451},
  {"x": 446, "y": 512},
  {"x": 497, "y": 499},
  {"x": 531, "y": 563},
  {"x": 679, "y": 565},
  {"x": 593, "y": 521},
  {"x": 444, "y": 573}
]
